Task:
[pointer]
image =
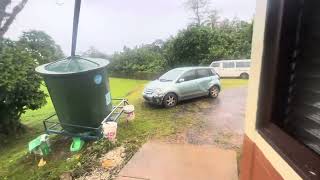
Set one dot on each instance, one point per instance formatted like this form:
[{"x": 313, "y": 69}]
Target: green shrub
[
  {"x": 19, "y": 85},
  {"x": 193, "y": 46}
]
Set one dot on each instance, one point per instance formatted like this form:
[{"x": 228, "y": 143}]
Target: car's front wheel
[
  {"x": 170, "y": 100},
  {"x": 214, "y": 91}
]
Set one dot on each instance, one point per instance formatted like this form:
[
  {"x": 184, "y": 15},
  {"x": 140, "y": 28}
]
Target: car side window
[
  {"x": 189, "y": 75},
  {"x": 228, "y": 64},
  {"x": 215, "y": 64},
  {"x": 203, "y": 73}
]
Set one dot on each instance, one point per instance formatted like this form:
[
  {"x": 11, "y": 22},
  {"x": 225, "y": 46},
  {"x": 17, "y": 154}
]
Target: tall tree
[
  {"x": 95, "y": 53},
  {"x": 201, "y": 45},
  {"x": 212, "y": 18},
  {"x": 190, "y": 47},
  {"x": 41, "y": 46},
  {"x": 6, "y": 18},
  {"x": 199, "y": 9}
]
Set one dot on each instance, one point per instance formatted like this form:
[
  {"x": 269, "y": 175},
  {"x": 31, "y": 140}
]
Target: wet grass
[
  {"x": 232, "y": 83},
  {"x": 12, "y": 153},
  {"x": 150, "y": 122}
]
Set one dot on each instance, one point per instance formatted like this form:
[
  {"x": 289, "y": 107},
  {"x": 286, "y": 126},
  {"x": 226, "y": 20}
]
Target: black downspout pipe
[{"x": 77, "y": 6}]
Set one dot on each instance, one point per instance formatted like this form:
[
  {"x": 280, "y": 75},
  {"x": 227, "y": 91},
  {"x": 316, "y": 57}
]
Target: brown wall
[{"x": 254, "y": 165}]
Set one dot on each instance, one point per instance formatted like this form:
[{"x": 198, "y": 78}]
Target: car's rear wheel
[
  {"x": 244, "y": 76},
  {"x": 214, "y": 91},
  {"x": 170, "y": 100}
]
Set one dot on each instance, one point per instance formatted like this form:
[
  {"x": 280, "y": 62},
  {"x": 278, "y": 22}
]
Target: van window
[
  {"x": 189, "y": 75},
  {"x": 215, "y": 64},
  {"x": 242, "y": 64},
  {"x": 228, "y": 64},
  {"x": 204, "y": 73}
]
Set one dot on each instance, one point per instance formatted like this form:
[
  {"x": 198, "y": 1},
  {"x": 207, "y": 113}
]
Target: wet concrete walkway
[
  {"x": 205, "y": 151},
  {"x": 162, "y": 161}
]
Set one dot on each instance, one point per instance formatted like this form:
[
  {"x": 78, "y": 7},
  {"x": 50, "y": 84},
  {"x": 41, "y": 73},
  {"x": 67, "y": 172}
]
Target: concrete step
[{"x": 163, "y": 161}]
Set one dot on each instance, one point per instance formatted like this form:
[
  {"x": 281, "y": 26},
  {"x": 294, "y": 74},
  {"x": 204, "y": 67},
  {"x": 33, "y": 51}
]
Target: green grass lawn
[
  {"x": 231, "y": 83},
  {"x": 15, "y": 162}
]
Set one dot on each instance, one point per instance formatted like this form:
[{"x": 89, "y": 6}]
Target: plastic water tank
[{"x": 79, "y": 89}]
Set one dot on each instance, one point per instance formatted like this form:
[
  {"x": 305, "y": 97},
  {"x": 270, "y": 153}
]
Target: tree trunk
[
  {"x": 7, "y": 19},
  {"x": 3, "y": 6},
  {"x": 197, "y": 12}
]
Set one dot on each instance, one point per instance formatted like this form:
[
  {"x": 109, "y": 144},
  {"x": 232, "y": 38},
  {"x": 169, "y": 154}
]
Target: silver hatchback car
[{"x": 181, "y": 84}]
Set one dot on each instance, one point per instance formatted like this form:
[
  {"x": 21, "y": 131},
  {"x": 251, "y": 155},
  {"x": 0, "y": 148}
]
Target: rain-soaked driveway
[
  {"x": 221, "y": 123},
  {"x": 230, "y": 110}
]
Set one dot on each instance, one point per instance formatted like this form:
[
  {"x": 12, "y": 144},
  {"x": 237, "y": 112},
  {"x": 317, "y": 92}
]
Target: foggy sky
[{"x": 109, "y": 25}]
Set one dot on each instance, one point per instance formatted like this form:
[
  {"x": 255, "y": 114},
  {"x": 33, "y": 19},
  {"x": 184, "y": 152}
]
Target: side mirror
[{"x": 180, "y": 80}]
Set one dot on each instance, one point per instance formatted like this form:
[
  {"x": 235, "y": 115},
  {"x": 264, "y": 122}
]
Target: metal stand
[{"x": 91, "y": 133}]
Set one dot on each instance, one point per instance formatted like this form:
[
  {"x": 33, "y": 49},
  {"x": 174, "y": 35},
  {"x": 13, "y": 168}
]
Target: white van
[{"x": 232, "y": 68}]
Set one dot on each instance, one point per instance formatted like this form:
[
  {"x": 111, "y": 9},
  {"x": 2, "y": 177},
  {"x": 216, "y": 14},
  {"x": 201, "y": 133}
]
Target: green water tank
[{"x": 79, "y": 90}]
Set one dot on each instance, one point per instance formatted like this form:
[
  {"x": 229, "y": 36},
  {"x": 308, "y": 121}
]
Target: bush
[
  {"x": 19, "y": 86},
  {"x": 143, "y": 59},
  {"x": 136, "y": 75},
  {"x": 193, "y": 46}
]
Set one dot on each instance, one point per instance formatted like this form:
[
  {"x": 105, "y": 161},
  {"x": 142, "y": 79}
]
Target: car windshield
[{"x": 171, "y": 75}]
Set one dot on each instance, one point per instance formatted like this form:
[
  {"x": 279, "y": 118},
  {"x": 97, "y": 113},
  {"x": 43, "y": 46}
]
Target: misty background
[{"x": 110, "y": 25}]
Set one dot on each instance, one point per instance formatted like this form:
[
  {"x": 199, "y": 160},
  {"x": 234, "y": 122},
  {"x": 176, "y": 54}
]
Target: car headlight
[{"x": 158, "y": 92}]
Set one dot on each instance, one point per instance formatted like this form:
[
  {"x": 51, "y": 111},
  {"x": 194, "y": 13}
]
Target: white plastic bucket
[
  {"x": 129, "y": 110},
  {"x": 110, "y": 130}
]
